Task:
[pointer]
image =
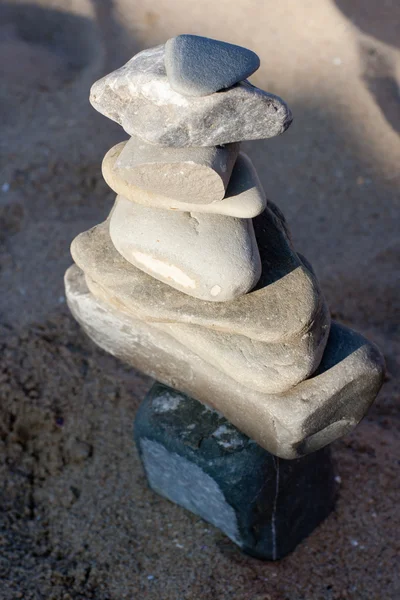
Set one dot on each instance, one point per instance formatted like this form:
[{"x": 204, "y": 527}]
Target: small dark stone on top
[{"x": 199, "y": 66}]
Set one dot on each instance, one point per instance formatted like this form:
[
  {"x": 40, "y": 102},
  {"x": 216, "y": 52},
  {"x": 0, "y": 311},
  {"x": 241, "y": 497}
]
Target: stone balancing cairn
[{"x": 193, "y": 279}]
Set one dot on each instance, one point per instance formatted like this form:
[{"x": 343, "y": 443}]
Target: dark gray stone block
[
  {"x": 194, "y": 457},
  {"x": 198, "y": 66}
]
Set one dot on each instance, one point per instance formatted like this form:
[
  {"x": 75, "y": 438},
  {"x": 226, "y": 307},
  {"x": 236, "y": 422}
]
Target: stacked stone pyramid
[{"x": 193, "y": 278}]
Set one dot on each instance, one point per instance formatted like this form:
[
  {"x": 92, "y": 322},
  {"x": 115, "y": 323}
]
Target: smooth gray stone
[
  {"x": 139, "y": 97},
  {"x": 210, "y": 257},
  {"x": 199, "y": 174},
  {"x": 244, "y": 198},
  {"x": 268, "y": 339},
  {"x": 268, "y": 368},
  {"x": 194, "y": 457},
  {"x": 285, "y": 304},
  {"x": 302, "y": 420},
  {"x": 198, "y": 66}
]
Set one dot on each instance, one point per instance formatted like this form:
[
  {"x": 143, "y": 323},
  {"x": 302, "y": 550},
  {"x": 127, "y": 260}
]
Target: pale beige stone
[
  {"x": 285, "y": 304},
  {"x": 244, "y": 198},
  {"x": 309, "y": 416},
  {"x": 210, "y": 257},
  {"x": 200, "y": 174},
  {"x": 265, "y": 367}
]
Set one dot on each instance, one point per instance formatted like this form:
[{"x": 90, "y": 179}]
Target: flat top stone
[
  {"x": 244, "y": 198},
  {"x": 198, "y": 66},
  {"x": 200, "y": 174},
  {"x": 269, "y": 312},
  {"x": 140, "y": 98},
  {"x": 137, "y": 152}
]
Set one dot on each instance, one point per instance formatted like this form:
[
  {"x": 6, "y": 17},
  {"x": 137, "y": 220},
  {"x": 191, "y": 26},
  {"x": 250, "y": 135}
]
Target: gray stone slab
[
  {"x": 302, "y": 420},
  {"x": 244, "y": 198},
  {"x": 210, "y": 257},
  {"x": 198, "y": 66},
  {"x": 260, "y": 366},
  {"x": 198, "y": 174},
  {"x": 194, "y": 457},
  {"x": 139, "y": 97},
  {"x": 266, "y": 368}
]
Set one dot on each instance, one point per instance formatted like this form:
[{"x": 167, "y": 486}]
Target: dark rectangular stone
[{"x": 194, "y": 457}]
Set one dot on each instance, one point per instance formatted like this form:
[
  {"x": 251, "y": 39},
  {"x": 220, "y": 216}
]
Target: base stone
[{"x": 194, "y": 457}]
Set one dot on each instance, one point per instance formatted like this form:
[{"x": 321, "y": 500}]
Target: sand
[{"x": 77, "y": 520}]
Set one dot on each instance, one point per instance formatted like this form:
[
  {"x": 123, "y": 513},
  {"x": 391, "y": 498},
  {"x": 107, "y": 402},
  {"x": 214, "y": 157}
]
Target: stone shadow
[
  {"x": 373, "y": 18},
  {"x": 43, "y": 47},
  {"x": 378, "y": 20},
  {"x": 379, "y": 76}
]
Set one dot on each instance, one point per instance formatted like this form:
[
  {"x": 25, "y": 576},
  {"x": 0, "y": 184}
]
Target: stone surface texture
[
  {"x": 139, "y": 97},
  {"x": 193, "y": 456},
  {"x": 199, "y": 66},
  {"x": 244, "y": 198},
  {"x": 270, "y": 338},
  {"x": 188, "y": 485},
  {"x": 304, "y": 419},
  {"x": 200, "y": 174},
  {"x": 210, "y": 257}
]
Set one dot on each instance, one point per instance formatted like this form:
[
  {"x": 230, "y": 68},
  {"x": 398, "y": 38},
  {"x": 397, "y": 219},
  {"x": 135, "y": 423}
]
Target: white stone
[
  {"x": 200, "y": 174},
  {"x": 139, "y": 97},
  {"x": 245, "y": 197}
]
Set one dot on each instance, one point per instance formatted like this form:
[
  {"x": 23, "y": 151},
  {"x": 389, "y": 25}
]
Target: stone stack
[{"x": 193, "y": 278}]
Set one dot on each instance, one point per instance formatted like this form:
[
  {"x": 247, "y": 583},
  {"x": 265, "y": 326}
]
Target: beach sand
[{"x": 76, "y": 518}]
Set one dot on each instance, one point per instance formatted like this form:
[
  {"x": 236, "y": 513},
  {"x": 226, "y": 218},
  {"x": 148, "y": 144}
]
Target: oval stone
[
  {"x": 244, "y": 198},
  {"x": 199, "y": 173},
  {"x": 210, "y": 257}
]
